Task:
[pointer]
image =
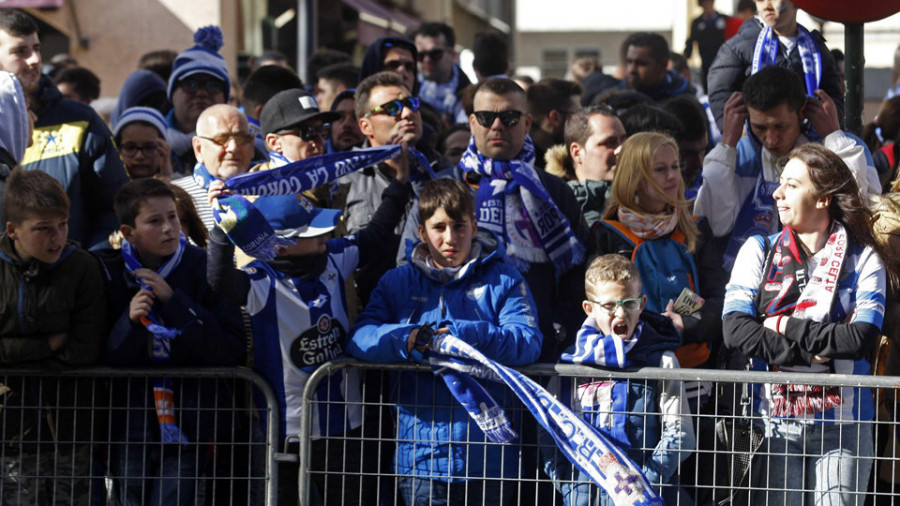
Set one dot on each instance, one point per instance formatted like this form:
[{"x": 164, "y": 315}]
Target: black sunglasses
[
  {"x": 192, "y": 86},
  {"x": 394, "y": 65},
  {"x": 310, "y": 133},
  {"x": 395, "y": 107},
  {"x": 434, "y": 54},
  {"x": 487, "y": 118}
]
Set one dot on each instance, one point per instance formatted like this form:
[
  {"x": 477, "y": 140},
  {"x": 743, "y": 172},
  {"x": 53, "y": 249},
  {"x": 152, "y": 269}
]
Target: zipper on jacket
[{"x": 21, "y": 304}]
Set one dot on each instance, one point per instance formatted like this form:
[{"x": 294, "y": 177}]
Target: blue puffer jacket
[
  {"x": 72, "y": 144},
  {"x": 488, "y": 305}
]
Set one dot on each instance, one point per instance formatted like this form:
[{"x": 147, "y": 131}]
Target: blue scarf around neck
[
  {"x": 163, "y": 391},
  {"x": 766, "y": 52},
  {"x": 541, "y": 224}
]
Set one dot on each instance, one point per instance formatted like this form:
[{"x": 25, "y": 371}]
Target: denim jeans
[
  {"x": 823, "y": 465},
  {"x": 154, "y": 474},
  {"x": 423, "y": 492}
]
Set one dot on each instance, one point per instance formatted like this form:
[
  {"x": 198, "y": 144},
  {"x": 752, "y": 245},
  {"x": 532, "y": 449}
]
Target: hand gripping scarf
[
  {"x": 512, "y": 203},
  {"x": 584, "y": 446},
  {"x": 787, "y": 289},
  {"x": 248, "y": 229},
  {"x": 163, "y": 392},
  {"x": 766, "y": 51}
]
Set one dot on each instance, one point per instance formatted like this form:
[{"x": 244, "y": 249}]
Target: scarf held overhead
[
  {"x": 248, "y": 229},
  {"x": 512, "y": 203},
  {"x": 584, "y": 446}
]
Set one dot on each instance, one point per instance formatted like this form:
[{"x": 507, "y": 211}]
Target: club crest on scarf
[
  {"x": 588, "y": 449},
  {"x": 513, "y": 204}
]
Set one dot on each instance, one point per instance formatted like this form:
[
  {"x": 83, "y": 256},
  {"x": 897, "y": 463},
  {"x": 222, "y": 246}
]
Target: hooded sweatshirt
[{"x": 139, "y": 85}]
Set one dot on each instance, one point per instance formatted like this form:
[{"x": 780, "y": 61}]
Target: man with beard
[
  {"x": 71, "y": 142},
  {"x": 199, "y": 80},
  {"x": 440, "y": 78}
]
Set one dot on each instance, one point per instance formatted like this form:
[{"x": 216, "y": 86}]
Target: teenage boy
[
  {"x": 299, "y": 315},
  {"x": 53, "y": 316},
  {"x": 649, "y": 420},
  {"x": 457, "y": 281},
  {"x": 158, "y": 277}
]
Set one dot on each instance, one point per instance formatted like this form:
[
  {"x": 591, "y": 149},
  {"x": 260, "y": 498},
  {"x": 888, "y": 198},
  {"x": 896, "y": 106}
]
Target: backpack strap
[{"x": 889, "y": 153}]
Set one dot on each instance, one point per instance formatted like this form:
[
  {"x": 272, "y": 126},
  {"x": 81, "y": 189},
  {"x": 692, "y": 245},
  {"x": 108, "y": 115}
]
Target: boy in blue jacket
[
  {"x": 456, "y": 282},
  {"x": 650, "y": 420},
  {"x": 163, "y": 313}
]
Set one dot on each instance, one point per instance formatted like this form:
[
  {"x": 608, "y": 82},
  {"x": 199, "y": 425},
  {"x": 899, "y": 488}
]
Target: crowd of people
[{"x": 391, "y": 211}]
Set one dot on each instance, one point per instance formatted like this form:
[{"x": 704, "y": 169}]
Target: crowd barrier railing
[
  {"x": 92, "y": 436},
  {"x": 736, "y": 459}
]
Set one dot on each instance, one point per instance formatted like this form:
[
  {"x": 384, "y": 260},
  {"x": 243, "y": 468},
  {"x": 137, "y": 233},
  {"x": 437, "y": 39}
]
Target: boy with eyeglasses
[
  {"x": 140, "y": 134},
  {"x": 650, "y": 419}
]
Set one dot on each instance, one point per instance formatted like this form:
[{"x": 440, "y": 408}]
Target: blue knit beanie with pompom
[{"x": 203, "y": 58}]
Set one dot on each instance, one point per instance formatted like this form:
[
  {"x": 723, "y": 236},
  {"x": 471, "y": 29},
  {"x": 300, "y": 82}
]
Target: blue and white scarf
[
  {"x": 512, "y": 203},
  {"x": 441, "y": 96},
  {"x": 594, "y": 348},
  {"x": 249, "y": 230},
  {"x": 589, "y": 450},
  {"x": 163, "y": 391},
  {"x": 766, "y": 51}
]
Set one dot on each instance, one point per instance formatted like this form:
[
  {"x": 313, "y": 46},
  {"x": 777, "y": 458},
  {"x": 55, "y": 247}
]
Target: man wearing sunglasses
[
  {"x": 199, "y": 80},
  {"x": 392, "y": 54},
  {"x": 295, "y": 129},
  {"x": 524, "y": 207},
  {"x": 223, "y": 147},
  {"x": 387, "y": 114},
  {"x": 440, "y": 79}
]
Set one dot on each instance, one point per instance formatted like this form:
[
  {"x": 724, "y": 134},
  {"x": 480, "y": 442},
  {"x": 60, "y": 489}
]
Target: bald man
[{"x": 223, "y": 146}]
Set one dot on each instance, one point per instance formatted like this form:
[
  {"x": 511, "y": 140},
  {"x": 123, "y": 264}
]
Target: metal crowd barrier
[
  {"x": 733, "y": 461},
  {"x": 91, "y": 436}
]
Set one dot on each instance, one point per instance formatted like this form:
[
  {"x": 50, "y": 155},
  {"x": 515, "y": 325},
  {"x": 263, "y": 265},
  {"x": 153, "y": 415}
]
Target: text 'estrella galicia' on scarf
[
  {"x": 249, "y": 230},
  {"x": 589, "y": 450},
  {"x": 542, "y": 224},
  {"x": 163, "y": 391},
  {"x": 766, "y": 51}
]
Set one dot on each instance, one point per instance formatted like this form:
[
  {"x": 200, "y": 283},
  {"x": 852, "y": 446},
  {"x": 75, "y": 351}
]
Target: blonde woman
[{"x": 647, "y": 220}]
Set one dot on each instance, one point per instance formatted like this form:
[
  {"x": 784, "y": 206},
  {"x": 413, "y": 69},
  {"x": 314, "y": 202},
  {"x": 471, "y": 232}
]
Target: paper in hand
[{"x": 688, "y": 302}]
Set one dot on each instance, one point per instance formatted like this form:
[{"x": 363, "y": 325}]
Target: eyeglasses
[
  {"x": 310, "y": 132},
  {"x": 222, "y": 140},
  {"x": 629, "y": 305},
  {"x": 434, "y": 54},
  {"x": 131, "y": 149},
  {"x": 395, "y": 65},
  {"x": 212, "y": 86},
  {"x": 487, "y": 118},
  {"x": 395, "y": 107}
]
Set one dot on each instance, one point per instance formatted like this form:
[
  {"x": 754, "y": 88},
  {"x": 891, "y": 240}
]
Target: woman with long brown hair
[{"x": 811, "y": 299}]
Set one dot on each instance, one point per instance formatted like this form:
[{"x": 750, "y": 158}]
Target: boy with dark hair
[
  {"x": 78, "y": 83},
  {"x": 163, "y": 313},
  {"x": 456, "y": 282},
  {"x": 299, "y": 314},
  {"x": 649, "y": 420},
  {"x": 53, "y": 316}
]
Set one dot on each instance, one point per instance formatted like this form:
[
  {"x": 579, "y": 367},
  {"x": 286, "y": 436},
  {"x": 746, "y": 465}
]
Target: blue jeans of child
[
  {"x": 423, "y": 492},
  {"x": 154, "y": 474},
  {"x": 832, "y": 462}
]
